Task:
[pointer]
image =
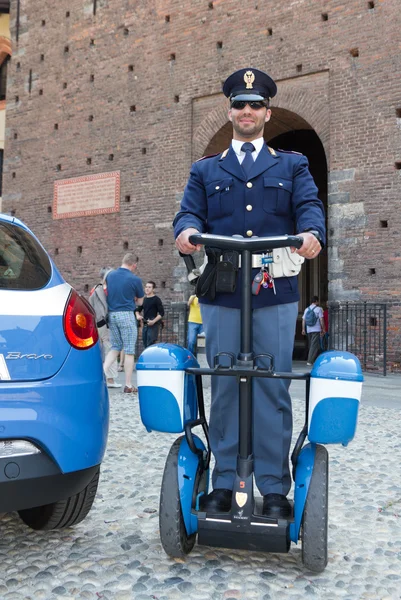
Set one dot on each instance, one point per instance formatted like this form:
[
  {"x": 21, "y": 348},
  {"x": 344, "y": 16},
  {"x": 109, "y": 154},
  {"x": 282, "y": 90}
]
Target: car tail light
[{"x": 79, "y": 322}]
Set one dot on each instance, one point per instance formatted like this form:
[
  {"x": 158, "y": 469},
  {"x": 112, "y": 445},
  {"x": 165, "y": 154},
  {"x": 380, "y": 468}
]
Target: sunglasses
[{"x": 254, "y": 104}]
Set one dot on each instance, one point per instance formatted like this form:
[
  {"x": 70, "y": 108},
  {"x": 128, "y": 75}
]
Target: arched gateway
[{"x": 286, "y": 130}]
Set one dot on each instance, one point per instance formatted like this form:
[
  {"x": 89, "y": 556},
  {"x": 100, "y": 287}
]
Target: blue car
[{"x": 54, "y": 410}]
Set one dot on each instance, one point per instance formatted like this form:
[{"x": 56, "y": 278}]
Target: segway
[{"x": 171, "y": 400}]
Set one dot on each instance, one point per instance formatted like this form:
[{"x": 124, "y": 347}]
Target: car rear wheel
[{"x": 64, "y": 513}]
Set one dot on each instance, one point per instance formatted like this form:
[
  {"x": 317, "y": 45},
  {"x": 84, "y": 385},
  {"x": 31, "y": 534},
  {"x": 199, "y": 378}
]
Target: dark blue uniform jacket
[{"x": 278, "y": 197}]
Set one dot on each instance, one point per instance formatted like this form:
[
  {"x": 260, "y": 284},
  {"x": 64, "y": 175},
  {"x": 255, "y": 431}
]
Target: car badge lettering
[
  {"x": 19, "y": 355},
  {"x": 4, "y": 373}
]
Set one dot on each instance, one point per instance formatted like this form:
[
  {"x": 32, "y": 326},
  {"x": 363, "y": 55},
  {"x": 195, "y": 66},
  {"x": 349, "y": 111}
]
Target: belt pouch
[
  {"x": 206, "y": 284},
  {"x": 226, "y": 275}
]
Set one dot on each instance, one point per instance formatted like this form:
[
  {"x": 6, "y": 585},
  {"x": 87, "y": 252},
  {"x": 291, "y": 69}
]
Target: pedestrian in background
[
  {"x": 98, "y": 301},
  {"x": 195, "y": 326},
  {"x": 313, "y": 325},
  {"x": 124, "y": 292},
  {"x": 150, "y": 315}
]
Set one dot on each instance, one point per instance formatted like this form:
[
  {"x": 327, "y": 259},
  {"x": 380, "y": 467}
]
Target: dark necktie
[{"x": 248, "y": 161}]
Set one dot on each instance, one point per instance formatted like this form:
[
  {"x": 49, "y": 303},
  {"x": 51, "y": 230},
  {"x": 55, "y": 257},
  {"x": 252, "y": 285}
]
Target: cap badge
[{"x": 249, "y": 78}]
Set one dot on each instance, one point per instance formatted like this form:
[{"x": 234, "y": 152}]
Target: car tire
[{"x": 64, "y": 513}]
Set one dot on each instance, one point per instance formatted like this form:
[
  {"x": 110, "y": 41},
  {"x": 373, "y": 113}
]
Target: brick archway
[
  {"x": 5, "y": 52},
  {"x": 211, "y": 125},
  {"x": 5, "y": 48},
  {"x": 301, "y": 103}
]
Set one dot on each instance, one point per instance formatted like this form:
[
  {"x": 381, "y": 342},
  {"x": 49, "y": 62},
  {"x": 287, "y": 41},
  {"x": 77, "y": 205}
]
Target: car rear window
[{"x": 24, "y": 265}]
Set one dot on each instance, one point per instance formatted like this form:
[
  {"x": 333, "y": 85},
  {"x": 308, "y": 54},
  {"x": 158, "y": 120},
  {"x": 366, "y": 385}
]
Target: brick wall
[{"x": 150, "y": 74}]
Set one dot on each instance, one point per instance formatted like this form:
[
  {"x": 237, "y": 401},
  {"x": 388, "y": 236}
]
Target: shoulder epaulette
[
  {"x": 289, "y": 151},
  {"x": 207, "y": 156}
]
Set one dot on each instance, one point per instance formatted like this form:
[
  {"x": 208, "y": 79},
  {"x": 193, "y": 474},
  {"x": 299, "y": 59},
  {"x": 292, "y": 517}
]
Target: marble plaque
[{"x": 87, "y": 195}]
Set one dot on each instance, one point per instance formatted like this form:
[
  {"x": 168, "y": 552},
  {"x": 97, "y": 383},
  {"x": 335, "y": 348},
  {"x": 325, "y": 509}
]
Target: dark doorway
[{"x": 313, "y": 279}]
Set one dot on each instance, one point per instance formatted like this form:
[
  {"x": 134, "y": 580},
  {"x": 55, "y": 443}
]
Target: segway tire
[
  {"x": 315, "y": 518},
  {"x": 175, "y": 541}
]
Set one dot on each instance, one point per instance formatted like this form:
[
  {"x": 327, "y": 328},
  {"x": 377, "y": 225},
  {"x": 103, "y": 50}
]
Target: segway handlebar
[{"x": 238, "y": 243}]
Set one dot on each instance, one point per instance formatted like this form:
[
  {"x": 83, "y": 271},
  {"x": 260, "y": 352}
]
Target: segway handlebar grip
[{"x": 254, "y": 244}]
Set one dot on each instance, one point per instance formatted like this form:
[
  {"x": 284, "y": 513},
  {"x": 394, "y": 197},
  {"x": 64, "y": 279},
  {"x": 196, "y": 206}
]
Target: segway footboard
[{"x": 261, "y": 534}]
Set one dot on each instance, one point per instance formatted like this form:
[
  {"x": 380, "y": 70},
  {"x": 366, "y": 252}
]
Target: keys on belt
[{"x": 263, "y": 278}]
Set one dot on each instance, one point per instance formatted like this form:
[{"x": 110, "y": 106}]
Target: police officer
[{"x": 252, "y": 190}]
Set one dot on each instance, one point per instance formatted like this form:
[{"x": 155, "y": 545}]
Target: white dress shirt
[{"x": 236, "y": 144}]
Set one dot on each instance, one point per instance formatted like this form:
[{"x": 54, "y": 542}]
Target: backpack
[
  {"x": 310, "y": 317},
  {"x": 98, "y": 301}
]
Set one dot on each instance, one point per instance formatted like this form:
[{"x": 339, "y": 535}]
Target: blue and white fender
[
  {"x": 303, "y": 476},
  {"x": 188, "y": 464},
  {"x": 335, "y": 394}
]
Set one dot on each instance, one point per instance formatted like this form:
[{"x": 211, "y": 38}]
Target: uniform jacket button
[
  {"x": 249, "y": 233},
  {"x": 249, "y": 207},
  {"x": 217, "y": 187},
  {"x": 249, "y": 184}
]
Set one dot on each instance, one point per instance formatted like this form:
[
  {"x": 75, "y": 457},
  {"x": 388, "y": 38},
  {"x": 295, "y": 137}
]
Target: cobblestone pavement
[{"x": 116, "y": 552}]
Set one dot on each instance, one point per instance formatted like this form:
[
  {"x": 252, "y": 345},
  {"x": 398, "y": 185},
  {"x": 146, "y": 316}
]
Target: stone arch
[
  {"x": 303, "y": 100},
  {"x": 212, "y": 123},
  {"x": 5, "y": 48},
  {"x": 5, "y": 52},
  {"x": 309, "y": 106}
]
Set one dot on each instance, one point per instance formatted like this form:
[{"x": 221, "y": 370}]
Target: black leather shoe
[
  {"x": 276, "y": 506},
  {"x": 217, "y": 501}
]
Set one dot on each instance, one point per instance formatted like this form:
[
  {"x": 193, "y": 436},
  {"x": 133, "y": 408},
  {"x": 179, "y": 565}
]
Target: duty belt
[
  {"x": 256, "y": 261},
  {"x": 256, "y": 264}
]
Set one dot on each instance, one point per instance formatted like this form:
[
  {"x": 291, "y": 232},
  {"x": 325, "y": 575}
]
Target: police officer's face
[{"x": 248, "y": 123}]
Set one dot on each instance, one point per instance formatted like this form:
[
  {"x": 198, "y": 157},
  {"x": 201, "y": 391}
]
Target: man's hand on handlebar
[
  {"x": 184, "y": 245},
  {"x": 311, "y": 246}
]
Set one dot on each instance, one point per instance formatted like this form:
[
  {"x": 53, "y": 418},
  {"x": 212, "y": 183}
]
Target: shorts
[{"x": 123, "y": 331}]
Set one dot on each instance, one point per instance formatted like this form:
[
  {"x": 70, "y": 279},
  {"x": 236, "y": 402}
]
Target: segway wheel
[
  {"x": 175, "y": 541},
  {"x": 315, "y": 518}
]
